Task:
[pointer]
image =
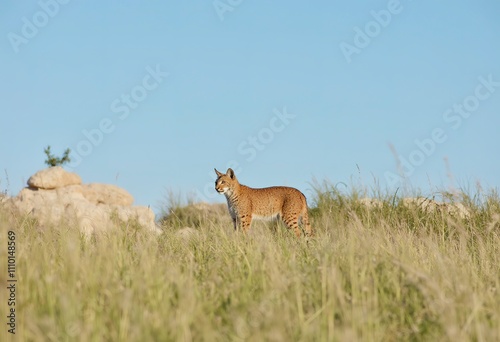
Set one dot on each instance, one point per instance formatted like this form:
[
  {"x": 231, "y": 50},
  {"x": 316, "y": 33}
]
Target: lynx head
[{"x": 225, "y": 183}]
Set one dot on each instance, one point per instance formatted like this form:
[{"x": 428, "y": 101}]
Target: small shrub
[{"x": 56, "y": 161}]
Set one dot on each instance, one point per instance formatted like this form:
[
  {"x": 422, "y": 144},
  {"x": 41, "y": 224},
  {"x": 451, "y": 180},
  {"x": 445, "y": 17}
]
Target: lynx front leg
[{"x": 245, "y": 222}]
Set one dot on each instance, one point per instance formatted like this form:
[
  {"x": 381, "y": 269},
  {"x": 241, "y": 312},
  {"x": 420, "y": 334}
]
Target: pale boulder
[
  {"x": 74, "y": 192},
  {"x": 430, "y": 206},
  {"x": 107, "y": 194},
  {"x": 142, "y": 215},
  {"x": 89, "y": 207},
  {"x": 458, "y": 209},
  {"x": 187, "y": 233},
  {"x": 3, "y": 199},
  {"x": 371, "y": 203},
  {"x": 53, "y": 178},
  {"x": 43, "y": 205}
]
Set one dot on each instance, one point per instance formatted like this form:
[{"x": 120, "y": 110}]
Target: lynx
[{"x": 245, "y": 203}]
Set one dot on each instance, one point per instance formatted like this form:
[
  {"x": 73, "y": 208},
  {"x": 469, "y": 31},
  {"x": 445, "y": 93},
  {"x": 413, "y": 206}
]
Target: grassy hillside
[{"x": 386, "y": 273}]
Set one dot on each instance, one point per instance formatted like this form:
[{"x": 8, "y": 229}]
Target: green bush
[{"x": 56, "y": 161}]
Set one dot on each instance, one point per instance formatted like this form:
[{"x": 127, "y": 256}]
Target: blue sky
[{"x": 151, "y": 96}]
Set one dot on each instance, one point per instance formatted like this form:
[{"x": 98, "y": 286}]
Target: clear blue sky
[{"x": 153, "y": 95}]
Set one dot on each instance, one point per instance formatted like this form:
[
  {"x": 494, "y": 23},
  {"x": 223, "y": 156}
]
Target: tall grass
[{"x": 387, "y": 273}]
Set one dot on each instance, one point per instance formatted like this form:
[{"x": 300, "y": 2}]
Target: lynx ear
[
  {"x": 218, "y": 173},
  {"x": 230, "y": 173}
]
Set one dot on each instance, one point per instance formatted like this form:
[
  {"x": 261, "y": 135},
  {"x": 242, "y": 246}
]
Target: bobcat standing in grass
[{"x": 247, "y": 203}]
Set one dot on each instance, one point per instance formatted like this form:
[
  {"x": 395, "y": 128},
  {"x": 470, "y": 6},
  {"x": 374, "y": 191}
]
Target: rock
[
  {"x": 425, "y": 204},
  {"x": 3, "y": 199},
  {"x": 72, "y": 191},
  {"x": 53, "y": 178},
  {"x": 143, "y": 215},
  {"x": 210, "y": 208},
  {"x": 460, "y": 210},
  {"x": 431, "y": 206},
  {"x": 91, "y": 207},
  {"x": 107, "y": 194},
  {"x": 187, "y": 233},
  {"x": 371, "y": 203}
]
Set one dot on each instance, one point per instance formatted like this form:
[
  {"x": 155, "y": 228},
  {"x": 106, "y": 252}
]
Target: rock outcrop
[
  {"x": 427, "y": 205},
  {"x": 107, "y": 194},
  {"x": 371, "y": 203},
  {"x": 55, "y": 196},
  {"x": 53, "y": 178}
]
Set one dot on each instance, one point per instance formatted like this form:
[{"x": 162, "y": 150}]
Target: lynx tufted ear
[
  {"x": 230, "y": 173},
  {"x": 218, "y": 173}
]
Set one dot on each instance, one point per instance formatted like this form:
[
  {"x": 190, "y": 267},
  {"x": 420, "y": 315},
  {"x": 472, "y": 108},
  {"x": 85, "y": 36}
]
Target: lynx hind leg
[
  {"x": 307, "y": 224},
  {"x": 292, "y": 222}
]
